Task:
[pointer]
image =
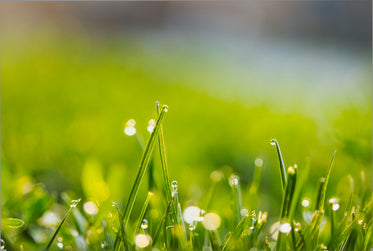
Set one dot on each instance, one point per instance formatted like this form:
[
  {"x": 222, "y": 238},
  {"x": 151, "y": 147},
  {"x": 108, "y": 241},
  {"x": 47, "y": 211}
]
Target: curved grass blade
[
  {"x": 73, "y": 204},
  {"x": 163, "y": 221},
  {"x": 282, "y": 164},
  {"x": 122, "y": 230},
  {"x": 234, "y": 236},
  {"x": 162, "y": 152},
  {"x": 142, "y": 214},
  {"x": 146, "y": 156}
]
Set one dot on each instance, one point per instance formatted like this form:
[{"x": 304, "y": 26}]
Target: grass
[{"x": 345, "y": 223}]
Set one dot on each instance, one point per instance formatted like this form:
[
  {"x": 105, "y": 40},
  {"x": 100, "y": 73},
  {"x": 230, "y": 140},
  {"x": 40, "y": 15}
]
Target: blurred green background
[{"x": 234, "y": 75}]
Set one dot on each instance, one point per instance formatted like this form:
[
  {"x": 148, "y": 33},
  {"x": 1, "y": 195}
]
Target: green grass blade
[
  {"x": 287, "y": 202},
  {"x": 299, "y": 189},
  {"x": 234, "y": 236},
  {"x": 368, "y": 242},
  {"x": 122, "y": 230},
  {"x": 144, "y": 164},
  {"x": 320, "y": 191},
  {"x": 73, "y": 204},
  {"x": 162, "y": 152},
  {"x": 214, "y": 240},
  {"x": 236, "y": 195},
  {"x": 162, "y": 222},
  {"x": 321, "y": 196},
  {"x": 142, "y": 213},
  {"x": 252, "y": 197},
  {"x": 282, "y": 164}
]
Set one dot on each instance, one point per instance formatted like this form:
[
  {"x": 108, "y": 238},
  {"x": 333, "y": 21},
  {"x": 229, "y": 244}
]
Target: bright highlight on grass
[
  {"x": 211, "y": 221},
  {"x": 90, "y": 208},
  {"x": 192, "y": 214},
  {"x": 130, "y": 129},
  {"x": 142, "y": 240}
]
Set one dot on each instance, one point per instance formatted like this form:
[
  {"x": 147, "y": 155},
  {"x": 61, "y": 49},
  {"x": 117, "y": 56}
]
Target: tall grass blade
[
  {"x": 233, "y": 237},
  {"x": 282, "y": 164},
  {"x": 144, "y": 164},
  {"x": 122, "y": 230},
  {"x": 214, "y": 240},
  {"x": 142, "y": 213},
  {"x": 145, "y": 158},
  {"x": 162, "y": 153},
  {"x": 253, "y": 192},
  {"x": 73, "y": 204},
  {"x": 287, "y": 202},
  {"x": 236, "y": 195}
]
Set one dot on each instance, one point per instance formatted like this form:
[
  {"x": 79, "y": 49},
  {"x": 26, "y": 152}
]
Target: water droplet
[
  {"x": 192, "y": 227},
  {"x": 191, "y": 214},
  {"x": 144, "y": 224},
  {"x": 273, "y": 142},
  {"x": 2, "y": 244},
  {"x": 360, "y": 222},
  {"x": 335, "y": 207},
  {"x": 262, "y": 217},
  {"x": 90, "y": 208},
  {"x": 333, "y": 200},
  {"x": 174, "y": 187},
  {"x": 130, "y": 130},
  {"x": 244, "y": 211},
  {"x": 142, "y": 240},
  {"x": 203, "y": 212},
  {"x": 59, "y": 242},
  {"x": 74, "y": 203},
  {"x": 103, "y": 244},
  {"x": 305, "y": 202},
  {"x": 258, "y": 162},
  {"x": 297, "y": 226},
  {"x": 285, "y": 228},
  {"x": 252, "y": 227},
  {"x": 165, "y": 107},
  {"x": 211, "y": 221},
  {"x": 216, "y": 176},
  {"x": 233, "y": 180},
  {"x": 131, "y": 123}
]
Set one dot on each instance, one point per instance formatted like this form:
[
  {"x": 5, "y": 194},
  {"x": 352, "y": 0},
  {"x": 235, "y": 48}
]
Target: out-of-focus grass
[{"x": 65, "y": 101}]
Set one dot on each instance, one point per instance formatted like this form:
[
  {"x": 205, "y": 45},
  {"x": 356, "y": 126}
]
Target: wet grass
[{"x": 345, "y": 223}]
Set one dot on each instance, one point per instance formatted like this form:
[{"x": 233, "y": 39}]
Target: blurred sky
[{"x": 325, "y": 44}]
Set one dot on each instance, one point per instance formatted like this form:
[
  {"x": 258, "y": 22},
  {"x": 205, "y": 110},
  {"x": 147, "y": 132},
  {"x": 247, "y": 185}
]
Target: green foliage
[{"x": 345, "y": 225}]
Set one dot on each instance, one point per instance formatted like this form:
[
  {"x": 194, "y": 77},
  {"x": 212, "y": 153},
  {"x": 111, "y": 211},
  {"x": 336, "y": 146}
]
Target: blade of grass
[
  {"x": 234, "y": 236},
  {"x": 282, "y": 164},
  {"x": 144, "y": 164},
  {"x": 214, "y": 240},
  {"x": 321, "y": 198},
  {"x": 73, "y": 204},
  {"x": 162, "y": 222},
  {"x": 254, "y": 187},
  {"x": 162, "y": 153},
  {"x": 368, "y": 236},
  {"x": 145, "y": 158},
  {"x": 299, "y": 189},
  {"x": 142, "y": 213},
  {"x": 286, "y": 202},
  {"x": 122, "y": 229},
  {"x": 236, "y": 195}
]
